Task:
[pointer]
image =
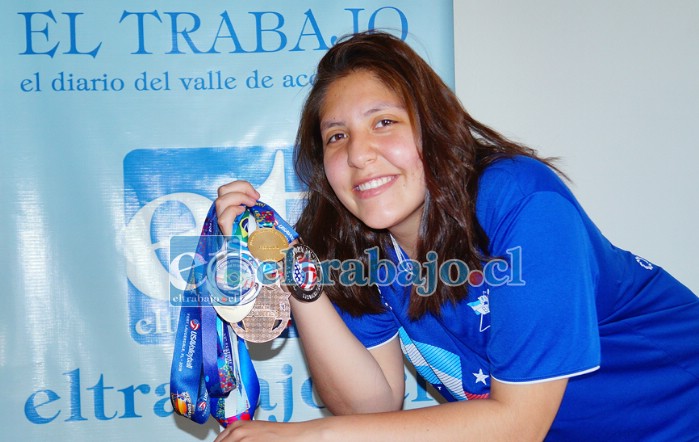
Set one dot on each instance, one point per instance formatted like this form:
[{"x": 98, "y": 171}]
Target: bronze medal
[
  {"x": 267, "y": 244},
  {"x": 306, "y": 274},
  {"x": 268, "y": 318}
]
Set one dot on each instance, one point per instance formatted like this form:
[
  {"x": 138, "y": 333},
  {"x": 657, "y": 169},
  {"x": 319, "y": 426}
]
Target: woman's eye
[
  {"x": 385, "y": 122},
  {"x": 335, "y": 137}
]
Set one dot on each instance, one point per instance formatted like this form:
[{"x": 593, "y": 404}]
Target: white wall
[{"x": 611, "y": 87}]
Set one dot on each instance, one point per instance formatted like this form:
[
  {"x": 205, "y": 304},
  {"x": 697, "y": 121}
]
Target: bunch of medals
[{"x": 236, "y": 296}]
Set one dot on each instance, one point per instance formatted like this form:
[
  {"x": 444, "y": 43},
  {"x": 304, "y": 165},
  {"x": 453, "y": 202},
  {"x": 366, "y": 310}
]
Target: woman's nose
[{"x": 360, "y": 151}]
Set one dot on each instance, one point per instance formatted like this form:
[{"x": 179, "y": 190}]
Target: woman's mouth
[{"x": 374, "y": 183}]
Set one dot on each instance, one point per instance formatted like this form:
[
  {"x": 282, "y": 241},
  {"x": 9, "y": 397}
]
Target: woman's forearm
[
  {"x": 345, "y": 374},
  {"x": 515, "y": 412}
]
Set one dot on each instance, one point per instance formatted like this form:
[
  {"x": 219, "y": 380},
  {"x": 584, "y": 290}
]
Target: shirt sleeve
[
  {"x": 372, "y": 330},
  {"x": 543, "y": 320}
]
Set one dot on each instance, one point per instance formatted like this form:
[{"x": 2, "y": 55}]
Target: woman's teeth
[{"x": 373, "y": 184}]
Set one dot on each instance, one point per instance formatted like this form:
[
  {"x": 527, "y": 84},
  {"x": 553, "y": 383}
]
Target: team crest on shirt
[
  {"x": 481, "y": 307},
  {"x": 644, "y": 263}
]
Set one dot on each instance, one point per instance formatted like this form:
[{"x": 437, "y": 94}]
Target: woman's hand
[
  {"x": 265, "y": 431},
  {"x": 231, "y": 202}
]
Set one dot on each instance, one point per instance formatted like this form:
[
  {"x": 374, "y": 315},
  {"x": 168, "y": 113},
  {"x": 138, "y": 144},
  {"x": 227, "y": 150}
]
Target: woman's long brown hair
[{"x": 455, "y": 151}]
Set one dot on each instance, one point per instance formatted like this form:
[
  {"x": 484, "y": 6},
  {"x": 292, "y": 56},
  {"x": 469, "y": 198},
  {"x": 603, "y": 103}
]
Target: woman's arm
[
  {"x": 521, "y": 412},
  {"x": 349, "y": 378}
]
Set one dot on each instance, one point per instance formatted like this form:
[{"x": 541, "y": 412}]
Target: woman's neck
[
  {"x": 406, "y": 233},
  {"x": 407, "y": 242}
]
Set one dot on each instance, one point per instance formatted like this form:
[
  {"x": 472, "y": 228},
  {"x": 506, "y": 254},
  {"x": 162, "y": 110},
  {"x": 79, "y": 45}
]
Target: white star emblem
[{"x": 480, "y": 376}]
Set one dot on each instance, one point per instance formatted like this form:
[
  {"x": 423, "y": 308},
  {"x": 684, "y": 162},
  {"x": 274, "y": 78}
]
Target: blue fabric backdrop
[{"x": 119, "y": 121}]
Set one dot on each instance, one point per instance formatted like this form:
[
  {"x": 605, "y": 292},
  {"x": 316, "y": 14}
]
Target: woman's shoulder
[
  {"x": 526, "y": 174},
  {"x": 510, "y": 182}
]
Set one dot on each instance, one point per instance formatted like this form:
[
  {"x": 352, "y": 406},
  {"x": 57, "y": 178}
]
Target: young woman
[{"x": 558, "y": 335}]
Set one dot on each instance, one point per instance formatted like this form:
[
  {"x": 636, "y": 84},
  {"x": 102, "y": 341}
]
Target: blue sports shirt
[{"x": 623, "y": 330}]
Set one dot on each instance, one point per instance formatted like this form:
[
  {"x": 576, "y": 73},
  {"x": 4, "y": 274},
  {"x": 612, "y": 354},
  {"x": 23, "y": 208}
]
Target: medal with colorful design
[{"x": 303, "y": 273}]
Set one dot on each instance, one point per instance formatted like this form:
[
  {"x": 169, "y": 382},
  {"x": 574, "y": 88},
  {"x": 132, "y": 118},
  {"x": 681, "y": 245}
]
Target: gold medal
[
  {"x": 267, "y": 244},
  {"x": 268, "y": 318}
]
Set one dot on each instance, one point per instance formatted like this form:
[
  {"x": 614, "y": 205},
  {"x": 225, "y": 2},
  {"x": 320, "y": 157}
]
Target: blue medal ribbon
[
  {"x": 188, "y": 393},
  {"x": 209, "y": 361},
  {"x": 266, "y": 216}
]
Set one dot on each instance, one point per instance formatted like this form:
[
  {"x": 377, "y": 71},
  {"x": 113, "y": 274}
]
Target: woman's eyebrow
[
  {"x": 382, "y": 106},
  {"x": 327, "y": 124}
]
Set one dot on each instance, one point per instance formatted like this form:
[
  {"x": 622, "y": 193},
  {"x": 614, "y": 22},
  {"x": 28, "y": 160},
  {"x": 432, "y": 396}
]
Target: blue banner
[{"x": 119, "y": 122}]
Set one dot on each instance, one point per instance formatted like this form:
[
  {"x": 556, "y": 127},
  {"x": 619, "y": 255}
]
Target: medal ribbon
[
  {"x": 266, "y": 216},
  {"x": 211, "y": 366},
  {"x": 304, "y": 272}
]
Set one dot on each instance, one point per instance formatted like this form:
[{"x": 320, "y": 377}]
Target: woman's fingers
[
  {"x": 239, "y": 186},
  {"x": 226, "y": 218},
  {"x": 231, "y": 202}
]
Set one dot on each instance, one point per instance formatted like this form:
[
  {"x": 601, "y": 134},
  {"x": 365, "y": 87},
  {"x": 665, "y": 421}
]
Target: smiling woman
[
  {"x": 365, "y": 119},
  {"x": 577, "y": 341},
  {"x": 371, "y": 156}
]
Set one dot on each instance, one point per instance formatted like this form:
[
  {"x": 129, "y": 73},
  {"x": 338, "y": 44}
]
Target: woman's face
[{"x": 371, "y": 154}]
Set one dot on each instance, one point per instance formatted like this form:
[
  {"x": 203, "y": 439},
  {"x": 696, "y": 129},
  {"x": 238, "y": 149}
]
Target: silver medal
[{"x": 232, "y": 278}]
